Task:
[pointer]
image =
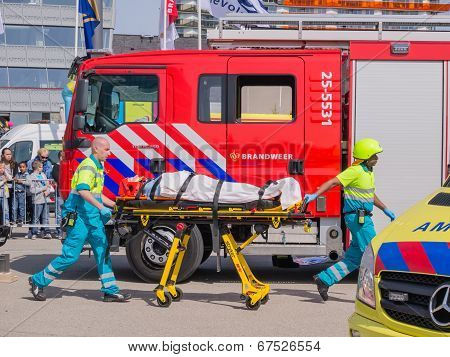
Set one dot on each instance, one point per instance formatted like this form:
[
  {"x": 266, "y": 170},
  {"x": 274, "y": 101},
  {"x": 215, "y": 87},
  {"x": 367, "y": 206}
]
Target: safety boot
[
  {"x": 321, "y": 287},
  {"x": 38, "y": 293},
  {"x": 117, "y": 297}
]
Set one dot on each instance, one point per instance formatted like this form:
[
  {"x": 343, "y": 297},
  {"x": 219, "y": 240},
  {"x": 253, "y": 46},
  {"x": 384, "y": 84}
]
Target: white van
[{"x": 25, "y": 140}]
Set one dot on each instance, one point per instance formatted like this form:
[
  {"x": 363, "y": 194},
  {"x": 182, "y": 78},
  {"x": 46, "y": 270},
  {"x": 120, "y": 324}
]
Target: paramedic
[
  {"x": 359, "y": 198},
  {"x": 85, "y": 216}
]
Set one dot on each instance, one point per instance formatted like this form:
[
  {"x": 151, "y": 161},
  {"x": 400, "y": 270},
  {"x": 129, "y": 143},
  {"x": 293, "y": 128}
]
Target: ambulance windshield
[{"x": 114, "y": 100}]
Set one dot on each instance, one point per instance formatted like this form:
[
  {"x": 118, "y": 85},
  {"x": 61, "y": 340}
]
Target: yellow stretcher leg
[
  {"x": 172, "y": 269},
  {"x": 254, "y": 291}
]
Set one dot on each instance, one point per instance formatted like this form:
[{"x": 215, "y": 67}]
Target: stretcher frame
[{"x": 253, "y": 291}]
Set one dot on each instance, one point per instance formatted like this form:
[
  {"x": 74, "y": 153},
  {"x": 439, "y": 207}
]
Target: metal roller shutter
[{"x": 401, "y": 104}]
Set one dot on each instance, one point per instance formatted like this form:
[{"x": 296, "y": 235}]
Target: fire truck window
[
  {"x": 114, "y": 100},
  {"x": 265, "y": 99},
  {"x": 211, "y": 99}
]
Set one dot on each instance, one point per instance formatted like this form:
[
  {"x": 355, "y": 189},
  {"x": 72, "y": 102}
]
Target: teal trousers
[
  {"x": 362, "y": 234},
  {"x": 89, "y": 229}
]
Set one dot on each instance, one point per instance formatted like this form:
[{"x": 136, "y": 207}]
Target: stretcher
[{"x": 261, "y": 214}]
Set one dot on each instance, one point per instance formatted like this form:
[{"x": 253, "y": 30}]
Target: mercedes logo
[{"x": 440, "y": 306}]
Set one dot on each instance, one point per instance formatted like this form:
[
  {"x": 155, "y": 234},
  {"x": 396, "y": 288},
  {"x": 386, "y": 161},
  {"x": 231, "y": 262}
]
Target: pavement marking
[{"x": 47, "y": 303}]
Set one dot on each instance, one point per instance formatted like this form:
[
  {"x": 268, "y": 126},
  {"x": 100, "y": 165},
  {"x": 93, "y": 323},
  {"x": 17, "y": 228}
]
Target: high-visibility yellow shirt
[
  {"x": 89, "y": 176},
  {"x": 359, "y": 188}
]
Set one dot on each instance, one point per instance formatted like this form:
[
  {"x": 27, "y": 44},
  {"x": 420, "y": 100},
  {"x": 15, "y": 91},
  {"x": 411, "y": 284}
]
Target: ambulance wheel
[
  {"x": 179, "y": 295},
  {"x": 250, "y": 306},
  {"x": 166, "y": 303},
  {"x": 147, "y": 257}
]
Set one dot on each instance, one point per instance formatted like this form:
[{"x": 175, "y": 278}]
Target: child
[
  {"x": 20, "y": 191},
  {"x": 4, "y": 195},
  {"x": 40, "y": 190}
]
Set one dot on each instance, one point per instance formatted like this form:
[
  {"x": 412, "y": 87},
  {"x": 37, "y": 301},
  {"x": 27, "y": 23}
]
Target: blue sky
[{"x": 137, "y": 17}]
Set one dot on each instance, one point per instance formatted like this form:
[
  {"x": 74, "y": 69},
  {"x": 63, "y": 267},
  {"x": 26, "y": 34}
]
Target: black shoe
[
  {"x": 117, "y": 297},
  {"x": 321, "y": 287},
  {"x": 38, "y": 293}
]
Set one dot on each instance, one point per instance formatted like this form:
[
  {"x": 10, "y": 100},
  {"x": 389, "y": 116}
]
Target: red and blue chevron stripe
[
  {"x": 418, "y": 257},
  {"x": 134, "y": 146}
]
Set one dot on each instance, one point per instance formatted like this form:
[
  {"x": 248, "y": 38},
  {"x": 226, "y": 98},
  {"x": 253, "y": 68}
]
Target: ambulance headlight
[{"x": 366, "y": 286}]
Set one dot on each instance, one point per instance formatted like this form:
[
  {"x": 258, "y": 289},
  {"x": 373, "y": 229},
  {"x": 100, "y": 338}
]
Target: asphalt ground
[{"x": 211, "y": 304}]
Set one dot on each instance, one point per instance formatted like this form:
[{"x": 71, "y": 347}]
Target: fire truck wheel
[
  {"x": 205, "y": 230},
  {"x": 147, "y": 257}
]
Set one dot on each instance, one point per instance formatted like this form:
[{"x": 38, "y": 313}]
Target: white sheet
[{"x": 202, "y": 189}]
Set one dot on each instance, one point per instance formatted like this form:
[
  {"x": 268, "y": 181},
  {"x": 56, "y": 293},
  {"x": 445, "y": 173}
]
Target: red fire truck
[{"x": 273, "y": 97}]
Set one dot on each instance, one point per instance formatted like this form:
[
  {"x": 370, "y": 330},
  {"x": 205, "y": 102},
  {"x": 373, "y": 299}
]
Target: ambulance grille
[
  {"x": 419, "y": 288},
  {"x": 411, "y": 319},
  {"x": 441, "y": 199},
  {"x": 434, "y": 280}
]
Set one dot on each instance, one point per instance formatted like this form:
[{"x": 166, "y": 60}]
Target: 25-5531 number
[{"x": 327, "y": 98}]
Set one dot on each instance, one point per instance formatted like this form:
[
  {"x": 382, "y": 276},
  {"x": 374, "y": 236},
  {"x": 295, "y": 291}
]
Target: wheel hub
[{"x": 155, "y": 252}]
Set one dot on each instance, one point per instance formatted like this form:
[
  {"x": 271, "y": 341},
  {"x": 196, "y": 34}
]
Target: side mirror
[
  {"x": 79, "y": 122},
  {"x": 115, "y": 105},
  {"x": 81, "y": 98}
]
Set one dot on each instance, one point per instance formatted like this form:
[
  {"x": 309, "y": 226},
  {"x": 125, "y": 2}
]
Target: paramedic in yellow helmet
[
  {"x": 84, "y": 218},
  {"x": 359, "y": 198}
]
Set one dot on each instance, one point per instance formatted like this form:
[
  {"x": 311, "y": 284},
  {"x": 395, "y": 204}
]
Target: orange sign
[{"x": 381, "y": 5}]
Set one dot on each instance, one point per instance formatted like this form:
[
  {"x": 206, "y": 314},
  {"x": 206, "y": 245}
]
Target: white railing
[
  {"x": 329, "y": 28},
  {"x": 28, "y": 203}
]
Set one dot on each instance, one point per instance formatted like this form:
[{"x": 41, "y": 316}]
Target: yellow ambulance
[{"x": 404, "y": 279}]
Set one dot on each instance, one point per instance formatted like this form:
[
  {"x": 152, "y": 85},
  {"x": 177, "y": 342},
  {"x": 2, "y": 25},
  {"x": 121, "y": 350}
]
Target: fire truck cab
[{"x": 267, "y": 102}]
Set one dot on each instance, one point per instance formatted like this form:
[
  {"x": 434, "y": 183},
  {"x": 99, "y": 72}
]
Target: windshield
[
  {"x": 119, "y": 99},
  {"x": 3, "y": 143}
]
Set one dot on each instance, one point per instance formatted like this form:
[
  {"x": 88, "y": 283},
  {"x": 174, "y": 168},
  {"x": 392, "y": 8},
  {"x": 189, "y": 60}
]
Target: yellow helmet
[{"x": 365, "y": 148}]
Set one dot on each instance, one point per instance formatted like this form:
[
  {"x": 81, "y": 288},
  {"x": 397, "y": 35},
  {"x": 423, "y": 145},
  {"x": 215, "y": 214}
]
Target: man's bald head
[
  {"x": 99, "y": 142},
  {"x": 100, "y": 148}
]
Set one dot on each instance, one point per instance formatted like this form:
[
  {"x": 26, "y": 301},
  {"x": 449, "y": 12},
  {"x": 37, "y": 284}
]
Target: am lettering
[{"x": 439, "y": 227}]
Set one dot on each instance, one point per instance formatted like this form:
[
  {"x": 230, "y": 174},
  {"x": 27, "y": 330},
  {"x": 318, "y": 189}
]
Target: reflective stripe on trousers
[
  {"x": 362, "y": 234},
  {"x": 94, "y": 232}
]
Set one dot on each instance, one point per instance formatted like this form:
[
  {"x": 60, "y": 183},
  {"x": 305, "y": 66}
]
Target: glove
[
  {"x": 310, "y": 197},
  {"x": 389, "y": 213},
  {"x": 105, "y": 214}
]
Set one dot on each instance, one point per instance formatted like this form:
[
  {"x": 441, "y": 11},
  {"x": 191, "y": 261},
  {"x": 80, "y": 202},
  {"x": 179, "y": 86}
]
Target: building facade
[{"x": 36, "y": 51}]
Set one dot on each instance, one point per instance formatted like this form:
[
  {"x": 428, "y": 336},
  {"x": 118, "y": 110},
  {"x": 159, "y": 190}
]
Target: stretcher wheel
[
  {"x": 166, "y": 303},
  {"x": 250, "y": 306},
  {"x": 265, "y": 299},
  {"x": 179, "y": 295}
]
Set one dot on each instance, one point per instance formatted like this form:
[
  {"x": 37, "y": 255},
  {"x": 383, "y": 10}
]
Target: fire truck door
[
  {"x": 265, "y": 118},
  {"x": 128, "y": 109}
]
